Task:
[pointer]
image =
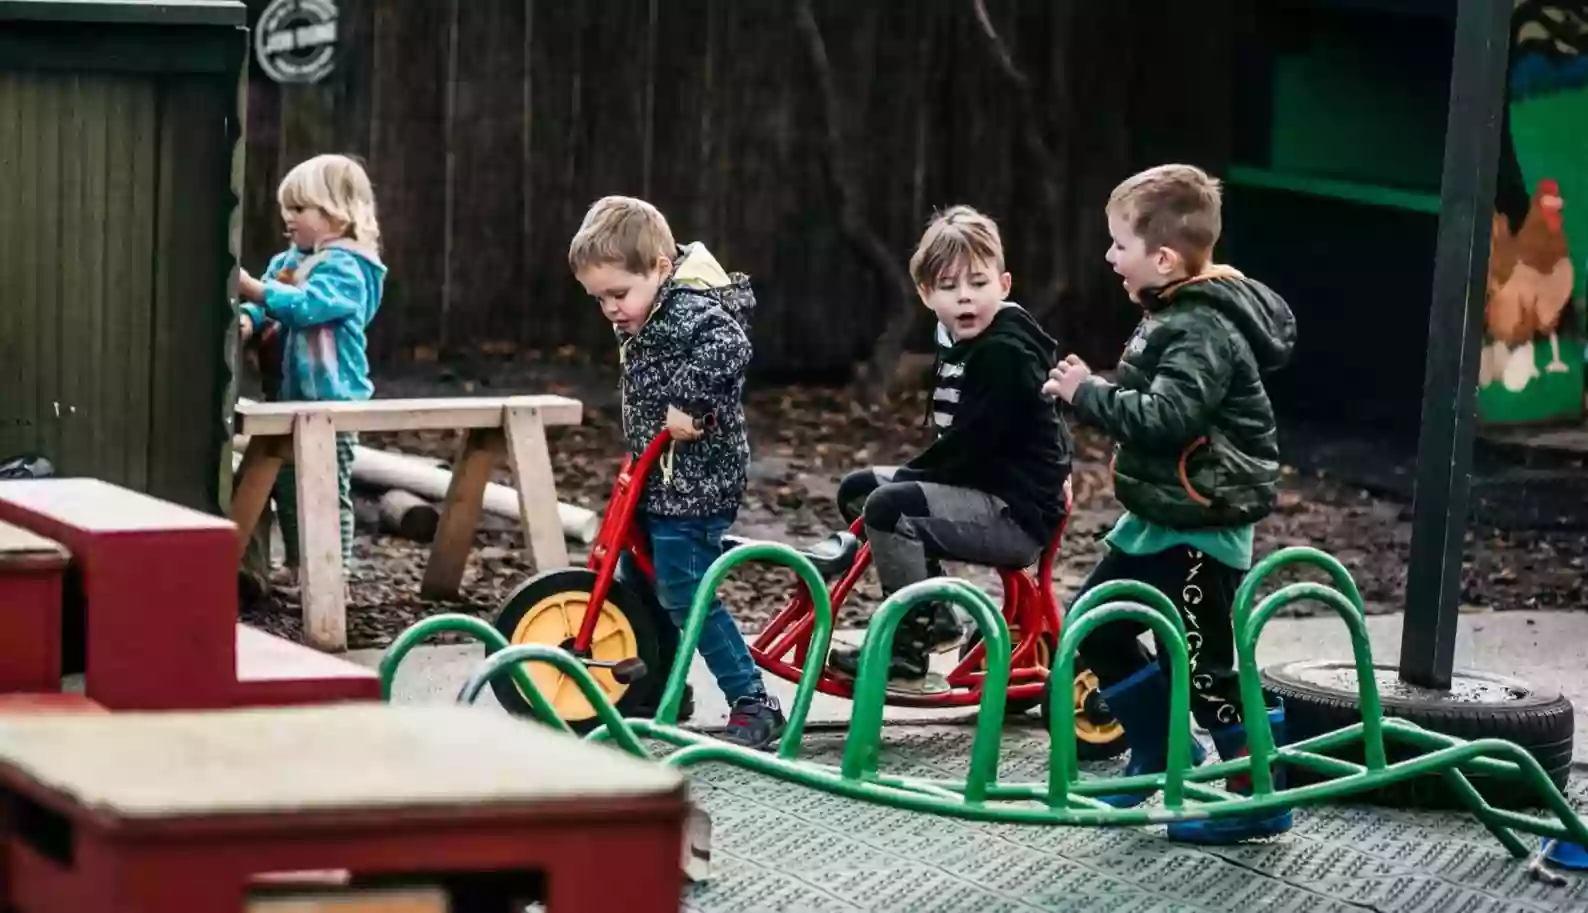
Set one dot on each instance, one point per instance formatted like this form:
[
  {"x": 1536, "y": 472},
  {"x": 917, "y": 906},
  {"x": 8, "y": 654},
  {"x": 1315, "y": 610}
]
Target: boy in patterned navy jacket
[{"x": 680, "y": 321}]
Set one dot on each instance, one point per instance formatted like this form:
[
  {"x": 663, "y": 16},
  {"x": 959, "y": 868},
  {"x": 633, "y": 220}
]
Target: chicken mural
[
  {"x": 1530, "y": 286},
  {"x": 1531, "y": 367}
]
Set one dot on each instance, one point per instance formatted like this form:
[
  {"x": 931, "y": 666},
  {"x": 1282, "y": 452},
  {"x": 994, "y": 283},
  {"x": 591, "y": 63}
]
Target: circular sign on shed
[{"x": 295, "y": 40}]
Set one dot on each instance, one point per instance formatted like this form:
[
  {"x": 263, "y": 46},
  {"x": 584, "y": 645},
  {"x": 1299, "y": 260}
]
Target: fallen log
[
  {"x": 428, "y": 478},
  {"x": 408, "y": 515}
]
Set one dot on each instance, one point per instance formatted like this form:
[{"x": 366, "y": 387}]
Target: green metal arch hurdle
[{"x": 1066, "y": 798}]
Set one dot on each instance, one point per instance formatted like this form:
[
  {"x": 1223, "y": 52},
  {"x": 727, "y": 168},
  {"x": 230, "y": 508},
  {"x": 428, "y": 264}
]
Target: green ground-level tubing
[
  {"x": 980, "y": 798},
  {"x": 863, "y": 745},
  {"x": 482, "y": 631},
  {"x": 1346, "y": 600},
  {"x": 512, "y": 658},
  {"x": 815, "y": 659},
  {"x": 1013, "y": 803},
  {"x": 1165, "y": 622}
]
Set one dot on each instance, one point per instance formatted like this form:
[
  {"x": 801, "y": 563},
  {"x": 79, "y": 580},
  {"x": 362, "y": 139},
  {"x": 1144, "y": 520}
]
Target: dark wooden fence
[{"x": 490, "y": 125}]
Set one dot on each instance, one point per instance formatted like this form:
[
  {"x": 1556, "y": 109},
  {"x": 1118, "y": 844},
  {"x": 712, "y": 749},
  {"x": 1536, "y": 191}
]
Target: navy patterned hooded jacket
[{"x": 692, "y": 353}]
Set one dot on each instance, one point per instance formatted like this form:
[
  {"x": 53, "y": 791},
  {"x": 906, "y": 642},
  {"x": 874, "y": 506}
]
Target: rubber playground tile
[{"x": 781, "y": 847}]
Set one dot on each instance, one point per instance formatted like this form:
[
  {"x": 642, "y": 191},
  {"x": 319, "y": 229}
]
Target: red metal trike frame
[{"x": 1029, "y": 605}]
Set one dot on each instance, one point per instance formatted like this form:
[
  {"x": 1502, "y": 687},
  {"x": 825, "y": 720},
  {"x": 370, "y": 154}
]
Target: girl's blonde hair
[{"x": 339, "y": 187}]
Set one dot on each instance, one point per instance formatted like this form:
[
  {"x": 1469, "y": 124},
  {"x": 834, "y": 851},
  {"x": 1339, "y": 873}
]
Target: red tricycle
[{"x": 593, "y": 615}]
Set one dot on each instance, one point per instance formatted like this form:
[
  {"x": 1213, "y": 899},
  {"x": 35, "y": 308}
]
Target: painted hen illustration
[{"x": 1530, "y": 285}]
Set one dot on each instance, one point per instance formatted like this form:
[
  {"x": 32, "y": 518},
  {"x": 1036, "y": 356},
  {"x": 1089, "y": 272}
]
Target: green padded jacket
[{"x": 1196, "y": 443}]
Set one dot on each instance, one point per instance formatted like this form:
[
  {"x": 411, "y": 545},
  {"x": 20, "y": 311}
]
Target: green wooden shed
[{"x": 120, "y": 156}]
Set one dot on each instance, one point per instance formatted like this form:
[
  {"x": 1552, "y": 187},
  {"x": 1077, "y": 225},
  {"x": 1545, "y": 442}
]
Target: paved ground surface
[{"x": 780, "y": 847}]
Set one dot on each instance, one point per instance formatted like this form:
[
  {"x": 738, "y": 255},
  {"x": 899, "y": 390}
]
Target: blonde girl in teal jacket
[{"x": 322, "y": 292}]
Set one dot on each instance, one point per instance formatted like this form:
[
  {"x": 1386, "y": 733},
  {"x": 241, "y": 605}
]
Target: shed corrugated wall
[{"x": 113, "y": 256}]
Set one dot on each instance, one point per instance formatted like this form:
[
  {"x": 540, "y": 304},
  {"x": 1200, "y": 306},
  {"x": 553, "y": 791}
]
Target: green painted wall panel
[{"x": 113, "y": 275}]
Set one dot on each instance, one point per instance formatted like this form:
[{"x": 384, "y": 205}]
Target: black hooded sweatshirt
[{"x": 996, "y": 431}]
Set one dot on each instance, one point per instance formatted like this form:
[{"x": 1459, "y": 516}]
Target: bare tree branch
[
  {"x": 844, "y": 183},
  {"x": 1052, "y": 164}
]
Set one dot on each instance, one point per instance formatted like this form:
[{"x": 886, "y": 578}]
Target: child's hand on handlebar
[{"x": 681, "y": 425}]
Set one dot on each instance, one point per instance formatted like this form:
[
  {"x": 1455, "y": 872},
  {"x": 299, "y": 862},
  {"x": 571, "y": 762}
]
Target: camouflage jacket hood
[{"x": 691, "y": 354}]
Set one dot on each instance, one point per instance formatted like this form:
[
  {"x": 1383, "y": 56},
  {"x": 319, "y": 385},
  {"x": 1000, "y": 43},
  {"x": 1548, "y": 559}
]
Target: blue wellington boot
[
  {"x": 1572, "y": 856},
  {"x": 1231, "y": 743},
  {"x": 1141, "y": 704}
]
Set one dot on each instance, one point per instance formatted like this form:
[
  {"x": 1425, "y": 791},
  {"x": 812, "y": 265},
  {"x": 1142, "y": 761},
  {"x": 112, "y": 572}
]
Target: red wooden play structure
[
  {"x": 226, "y": 798},
  {"x": 148, "y": 595}
]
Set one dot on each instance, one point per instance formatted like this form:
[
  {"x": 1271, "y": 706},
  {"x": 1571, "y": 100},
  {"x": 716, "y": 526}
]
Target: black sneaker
[
  {"x": 754, "y": 722},
  {"x": 919, "y": 635},
  {"x": 946, "y": 633},
  {"x": 906, "y": 671}
]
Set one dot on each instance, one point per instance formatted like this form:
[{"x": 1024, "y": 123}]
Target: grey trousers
[{"x": 913, "y": 525}]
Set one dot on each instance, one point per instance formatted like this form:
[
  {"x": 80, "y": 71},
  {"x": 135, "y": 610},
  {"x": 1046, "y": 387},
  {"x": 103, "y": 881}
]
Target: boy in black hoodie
[{"x": 990, "y": 489}]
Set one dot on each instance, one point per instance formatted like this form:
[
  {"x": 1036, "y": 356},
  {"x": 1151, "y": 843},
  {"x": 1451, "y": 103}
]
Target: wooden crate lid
[
  {"x": 23, "y": 548},
  {"x": 96, "y": 506},
  {"x": 315, "y": 759}
]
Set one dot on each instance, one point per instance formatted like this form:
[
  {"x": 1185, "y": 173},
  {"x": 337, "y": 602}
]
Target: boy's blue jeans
[{"x": 682, "y": 548}]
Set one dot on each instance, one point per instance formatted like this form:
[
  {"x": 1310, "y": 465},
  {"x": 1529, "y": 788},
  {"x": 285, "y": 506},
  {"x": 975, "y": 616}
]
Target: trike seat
[{"x": 832, "y": 556}]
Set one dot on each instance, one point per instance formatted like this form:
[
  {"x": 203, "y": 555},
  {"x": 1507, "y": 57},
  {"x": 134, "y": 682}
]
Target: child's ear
[
  {"x": 925, "y": 293},
  {"x": 1169, "y": 261},
  {"x": 664, "y": 265},
  {"x": 1005, "y": 282}
]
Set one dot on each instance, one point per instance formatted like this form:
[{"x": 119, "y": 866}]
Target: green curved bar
[
  {"x": 908, "y": 794},
  {"x": 454, "y": 623},
  {"x": 815, "y": 659},
  {"x": 863, "y": 744},
  {"x": 1246, "y": 594},
  {"x": 515, "y": 656},
  {"x": 1062, "y": 766},
  {"x": 1133, "y": 591},
  {"x": 1259, "y": 735},
  {"x": 1064, "y": 799}
]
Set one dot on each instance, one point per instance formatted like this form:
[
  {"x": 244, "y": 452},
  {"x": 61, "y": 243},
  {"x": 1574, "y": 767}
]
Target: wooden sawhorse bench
[
  {"x": 168, "y": 812},
  {"x": 305, "y": 433}
]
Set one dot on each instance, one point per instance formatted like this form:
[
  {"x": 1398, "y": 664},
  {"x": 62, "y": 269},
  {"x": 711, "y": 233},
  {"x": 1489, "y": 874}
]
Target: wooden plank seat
[
  {"x": 31, "y": 570},
  {"x": 305, "y": 433},
  {"x": 152, "y": 813},
  {"x": 276, "y": 672},
  {"x": 48, "y": 702},
  {"x": 151, "y": 617}
]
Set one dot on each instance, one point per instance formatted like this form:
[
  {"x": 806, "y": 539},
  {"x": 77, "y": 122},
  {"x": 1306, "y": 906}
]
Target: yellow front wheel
[{"x": 549, "y": 609}]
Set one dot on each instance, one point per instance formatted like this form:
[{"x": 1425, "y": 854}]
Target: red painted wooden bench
[
  {"x": 154, "y": 596},
  {"x": 31, "y": 568},
  {"x": 162, "y": 812}
]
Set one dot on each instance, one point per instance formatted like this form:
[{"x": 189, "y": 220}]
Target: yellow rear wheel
[
  {"x": 549, "y": 609},
  {"x": 556, "y": 620},
  {"x": 1096, "y": 733}
]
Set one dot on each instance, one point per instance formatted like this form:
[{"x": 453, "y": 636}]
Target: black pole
[{"x": 1455, "y": 331}]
